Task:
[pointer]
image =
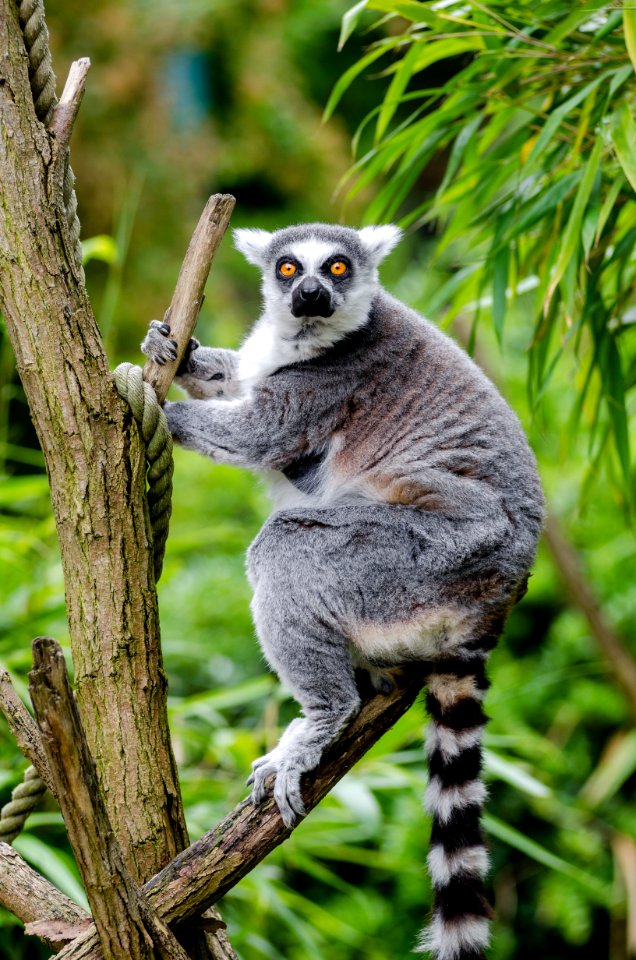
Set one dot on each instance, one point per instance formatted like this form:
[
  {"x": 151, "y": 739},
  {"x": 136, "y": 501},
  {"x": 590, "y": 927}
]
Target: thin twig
[{"x": 67, "y": 107}]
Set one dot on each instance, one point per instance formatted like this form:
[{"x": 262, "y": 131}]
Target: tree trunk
[{"x": 96, "y": 466}]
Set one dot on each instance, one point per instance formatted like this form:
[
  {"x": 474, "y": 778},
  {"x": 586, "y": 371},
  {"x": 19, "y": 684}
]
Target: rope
[
  {"x": 24, "y": 799},
  {"x": 42, "y": 80},
  {"x": 154, "y": 428}
]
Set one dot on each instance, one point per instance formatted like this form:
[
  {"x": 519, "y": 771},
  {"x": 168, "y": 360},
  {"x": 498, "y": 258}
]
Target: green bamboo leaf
[
  {"x": 350, "y": 22},
  {"x": 614, "y": 390},
  {"x": 608, "y": 205},
  {"x": 514, "y": 774},
  {"x": 499, "y": 284},
  {"x": 602, "y": 892},
  {"x": 422, "y": 54},
  {"x": 462, "y": 140},
  {"x": 537, "y": 154},
  {"x": 411, "y": 10},
  {"x": 629, "y": 28},
  {"x": 535, "y": 209},
  {"x": 397, "y": 87},
  {"x": 623, "y": 136},
  {"x": 619, "y": 78},
  {"x": 571, "y": 23},
  {"x": 572, "y": 235},
  {"x": 612, "y": 771},
  {"x": 347, "y": 78}
]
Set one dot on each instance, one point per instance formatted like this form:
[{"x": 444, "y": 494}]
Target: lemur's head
[{"x": 318, "y": 280}]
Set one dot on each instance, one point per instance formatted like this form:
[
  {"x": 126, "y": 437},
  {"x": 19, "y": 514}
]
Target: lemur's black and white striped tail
[{"x": 458, "y": 860}]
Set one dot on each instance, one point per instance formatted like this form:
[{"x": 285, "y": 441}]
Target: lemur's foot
[
  {"x": 158, "y": 345},
  {"x": 286, "y": 788}
]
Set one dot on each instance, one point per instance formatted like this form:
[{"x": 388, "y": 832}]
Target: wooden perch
[
  {"x": 186, "y": 303},
  {"x": 211, "y": 866},
  {"x": 37, "y": 903}
]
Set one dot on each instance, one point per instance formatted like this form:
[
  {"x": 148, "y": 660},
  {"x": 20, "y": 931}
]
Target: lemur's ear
[
  {"x": 252, "y": 244},
  {"x": 378, "y": 241}
]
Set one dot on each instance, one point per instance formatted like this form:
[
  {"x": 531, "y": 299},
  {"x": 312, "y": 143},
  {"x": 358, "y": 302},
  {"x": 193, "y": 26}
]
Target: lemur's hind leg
[{"x": 312, "y": 659}]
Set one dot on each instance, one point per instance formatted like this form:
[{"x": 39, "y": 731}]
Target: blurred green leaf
[
  {"x": 350, "y": 21},
  {"x": 623, "y": 133},
  {"x": 101, "y": 247}
]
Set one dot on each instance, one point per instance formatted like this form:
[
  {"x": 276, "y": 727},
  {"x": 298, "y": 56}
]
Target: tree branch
[
  {"x": 67, "y": 107},
  {"x": 37, "y": 903},
  {"x": 186, "y": 303},
  {"x": 211, "y": 866},
  {"x": 24, "y": 729}
]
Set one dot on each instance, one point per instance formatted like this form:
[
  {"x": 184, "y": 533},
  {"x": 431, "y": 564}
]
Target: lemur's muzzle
[{"x": 311, "y": 299}]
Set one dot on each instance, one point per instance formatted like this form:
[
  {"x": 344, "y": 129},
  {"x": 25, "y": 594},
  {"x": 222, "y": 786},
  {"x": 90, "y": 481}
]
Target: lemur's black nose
[
  {"x": 311, "y": 299},
  {"x": 309, "y": 290}
]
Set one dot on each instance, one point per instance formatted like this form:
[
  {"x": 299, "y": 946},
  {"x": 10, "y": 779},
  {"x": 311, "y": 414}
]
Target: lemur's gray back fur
[{"x": 410, "y": 513}]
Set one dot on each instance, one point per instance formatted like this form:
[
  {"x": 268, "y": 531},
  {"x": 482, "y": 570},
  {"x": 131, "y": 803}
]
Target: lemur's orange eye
[
  {"x": 287, "y": 269},
  {"x": 338, "y": 268}
]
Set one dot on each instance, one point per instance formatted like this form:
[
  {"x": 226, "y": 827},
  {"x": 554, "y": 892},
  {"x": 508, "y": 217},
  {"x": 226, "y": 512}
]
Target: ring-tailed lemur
[{"x": 408, "y": 512}]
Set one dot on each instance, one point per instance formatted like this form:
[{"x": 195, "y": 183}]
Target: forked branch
[{"x": 211, "y": 866}]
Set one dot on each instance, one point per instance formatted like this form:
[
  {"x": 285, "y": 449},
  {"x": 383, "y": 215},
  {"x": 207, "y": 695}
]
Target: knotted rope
[
  {"x": 24, "y": 799},
  {"x": 42, "y": 80},
  {"x": 154, "y": 428}
]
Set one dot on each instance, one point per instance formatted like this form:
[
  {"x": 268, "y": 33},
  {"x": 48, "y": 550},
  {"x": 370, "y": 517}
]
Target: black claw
[{"x": 164, "y": 328}]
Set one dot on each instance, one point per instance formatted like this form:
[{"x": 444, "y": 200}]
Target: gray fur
[{"x": 417, "y": 531}]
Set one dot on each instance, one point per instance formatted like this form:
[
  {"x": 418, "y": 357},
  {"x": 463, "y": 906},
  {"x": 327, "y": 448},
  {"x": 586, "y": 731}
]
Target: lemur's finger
[{"x": 164, "y": 328}]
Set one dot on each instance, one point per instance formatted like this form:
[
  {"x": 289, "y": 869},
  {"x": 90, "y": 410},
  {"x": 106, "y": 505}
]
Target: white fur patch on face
[
  {"x": 469, "y": 861},
  {"x": 446, "y": 939},
  {"x": 443, "y": 801},
  {"x": 312, "y": 254},
  {"x": 449, "y": 742}
]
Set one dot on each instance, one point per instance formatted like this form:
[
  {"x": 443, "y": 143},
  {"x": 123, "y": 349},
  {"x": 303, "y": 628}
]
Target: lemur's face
[{"x": 317, "y": 277}]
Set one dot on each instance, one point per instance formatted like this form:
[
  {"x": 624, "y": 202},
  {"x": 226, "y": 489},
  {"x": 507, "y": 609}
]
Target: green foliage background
[{"x": 185, "y": 99}]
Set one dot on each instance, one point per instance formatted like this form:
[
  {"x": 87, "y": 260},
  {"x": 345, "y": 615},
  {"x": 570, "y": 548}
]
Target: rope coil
[
  {"x": 24, "y": 799},
  {"x": 156, "y": 434},
  {"x": 42, "y": 81}
]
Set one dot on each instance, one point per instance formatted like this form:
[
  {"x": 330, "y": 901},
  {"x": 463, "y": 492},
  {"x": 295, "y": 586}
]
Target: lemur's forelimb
[{"x": 204, "y": 372}]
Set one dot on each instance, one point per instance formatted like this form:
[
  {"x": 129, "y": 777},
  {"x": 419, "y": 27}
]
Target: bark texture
[
  {"x": 35, "y": 901},
  {"x": 96, "y": 468}
]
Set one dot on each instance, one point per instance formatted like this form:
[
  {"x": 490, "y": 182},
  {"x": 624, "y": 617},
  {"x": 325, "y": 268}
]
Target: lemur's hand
[{"x": 158, "y": 346}]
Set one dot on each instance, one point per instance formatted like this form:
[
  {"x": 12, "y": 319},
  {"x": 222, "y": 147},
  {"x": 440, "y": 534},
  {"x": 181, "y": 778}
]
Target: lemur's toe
[{"x": 287, "y": 796}]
